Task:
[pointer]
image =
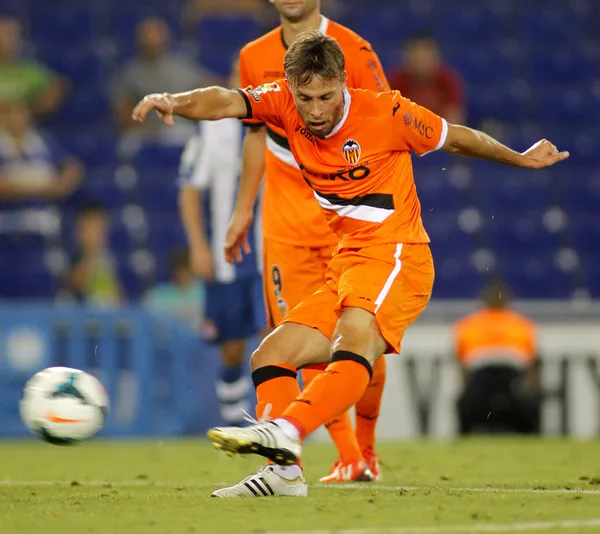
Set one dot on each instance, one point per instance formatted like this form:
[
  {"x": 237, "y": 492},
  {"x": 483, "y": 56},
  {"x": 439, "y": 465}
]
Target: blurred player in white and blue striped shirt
[{"x": 209, "y": 176}]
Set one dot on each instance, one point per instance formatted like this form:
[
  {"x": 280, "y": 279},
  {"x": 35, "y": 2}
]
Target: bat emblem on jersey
[
  {"x": 262, "y": 89},
  {"x": 351, "y": 151}
]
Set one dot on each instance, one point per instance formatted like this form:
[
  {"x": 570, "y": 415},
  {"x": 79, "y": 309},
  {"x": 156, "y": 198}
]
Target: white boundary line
[
  {"x": 356, "y": 486},
  {"x": 490, "y": 527}
]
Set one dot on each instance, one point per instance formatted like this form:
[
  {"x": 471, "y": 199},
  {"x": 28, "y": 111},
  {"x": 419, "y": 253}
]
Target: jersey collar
[{"x": 338, "y": 126}]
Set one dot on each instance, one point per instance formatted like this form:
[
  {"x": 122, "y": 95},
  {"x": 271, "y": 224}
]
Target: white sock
[
  {"x": 289, "y": 472},
  {"x": 288, "y": 429}
]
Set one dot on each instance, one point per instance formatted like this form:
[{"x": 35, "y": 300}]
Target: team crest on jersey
[{"x": 351, "y": 151}]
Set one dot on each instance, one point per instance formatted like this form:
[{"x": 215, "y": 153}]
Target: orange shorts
[
  {"x": 394, "y": 282},
  {"x": 291, "y": 274}
]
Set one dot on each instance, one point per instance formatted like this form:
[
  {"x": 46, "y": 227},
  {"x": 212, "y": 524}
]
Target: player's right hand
[
  {"x": 201, "y": 260},
  {"x": 543, "y": 154},
  {"x": 162, "y": 103},
  {"x": 236, "y": 239}
]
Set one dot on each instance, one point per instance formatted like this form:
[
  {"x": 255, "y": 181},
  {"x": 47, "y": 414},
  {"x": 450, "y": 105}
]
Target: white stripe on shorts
[{"x": 391, "y": 278}]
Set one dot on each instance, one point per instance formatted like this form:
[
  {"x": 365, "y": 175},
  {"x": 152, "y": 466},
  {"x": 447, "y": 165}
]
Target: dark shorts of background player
[
  {"x": 236, "y": 309},
  {"x": 494, "y": 401}
]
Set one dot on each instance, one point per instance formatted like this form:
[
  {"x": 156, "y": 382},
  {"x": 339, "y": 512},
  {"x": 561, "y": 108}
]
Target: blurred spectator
[
  {"x": 427, "y": 80},
  {"x": 93, "y": 277},
  {"x": 26, "y": 79},
  {"x": 183, "y": 296},
  {"x": 496, "y": 349},
  {"x": 32, "y": 166},
  {"x": 200, "y": 8},
  {"x": 154, "y": 69}
]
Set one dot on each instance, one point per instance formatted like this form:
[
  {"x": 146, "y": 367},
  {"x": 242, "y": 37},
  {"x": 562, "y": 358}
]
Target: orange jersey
[
  {"x": 361, "y": 173},
  {"x": 491, "y": 336},
  {"x": 290, "y": 213}
]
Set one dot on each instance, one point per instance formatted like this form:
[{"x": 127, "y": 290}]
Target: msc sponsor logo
[
  {"x": 351, "y": 151},
  {"x": 345, "y": 175},
  {"x": 305, "y": 133},
  {"x": 417, "y": 124},
  {"x": 262, "y": 89}
]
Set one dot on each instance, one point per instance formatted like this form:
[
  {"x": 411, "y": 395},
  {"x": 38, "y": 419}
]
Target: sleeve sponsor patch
[{"x": 262, "y": 89}]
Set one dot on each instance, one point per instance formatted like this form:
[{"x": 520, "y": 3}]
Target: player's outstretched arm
[
  {"x": 468, "y": 142},
  {"x": 211, "y": 103}
]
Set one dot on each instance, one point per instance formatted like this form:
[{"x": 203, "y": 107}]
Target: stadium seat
[
  {"x": 52, "y": 26},
  {"x": 436, "y": 192},
  {"x": 81, "y": 64},
  {"x": 500, "y": 190},
  {"x": 455, "y": 277},
  {"x": 535, "y": 276}
]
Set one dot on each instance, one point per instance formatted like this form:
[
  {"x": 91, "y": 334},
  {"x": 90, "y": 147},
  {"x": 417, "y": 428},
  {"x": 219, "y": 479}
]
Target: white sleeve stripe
[{"x": 442, "y": 140}]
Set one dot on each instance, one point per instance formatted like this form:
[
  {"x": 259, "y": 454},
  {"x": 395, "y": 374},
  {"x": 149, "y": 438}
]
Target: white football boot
[
  {"x": 266, "y": 482},
  {"x": 266, "y": 439}
]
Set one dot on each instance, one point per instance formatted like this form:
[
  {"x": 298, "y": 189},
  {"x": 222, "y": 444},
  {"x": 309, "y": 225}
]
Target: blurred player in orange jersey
[
  {"x": 298, "y": 243},
  {"x": 358, "y": 163}
]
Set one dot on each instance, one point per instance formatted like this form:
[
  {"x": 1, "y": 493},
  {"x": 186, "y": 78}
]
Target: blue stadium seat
[
  {"x": 81, "y": 64},
  {"x": 481, "y": 66},
  {"x": 159, "y": 197},
  {"x": 436, "y": 192},
  {"x": 535, "y": 276},
  {"x": 591, "y": 268},
  {"x": 447, "y": 238},
  {"x": 86, "y": 107},
  {"x": 504, "y": 191},
  {"x": 95, "y": 146},
  {"x": 100, "y": 185},
  {"x": 545, "y": 25},
  {"x": 573, "y": 104},
  {"x": 159, "y": 157},
  {"x": 221, "y": 39},
  {"x": 52, "y": 26},
  {"x": 585, "y": 230},
  {"x": 581, "y": 193},
  {"x": 519, "y": 234},
  {"x": 498, "y": 101},
  {"x": 467, "y": 25},
  {"x": 455, "y": 277},
  {"x": 558, "y": 65},
  {"x": 25, "y": 277},
  {"x": 166, "y": 233}
]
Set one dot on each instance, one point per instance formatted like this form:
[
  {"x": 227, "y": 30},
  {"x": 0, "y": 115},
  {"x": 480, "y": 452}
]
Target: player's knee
[
  {"x": 267, "y": 355},
  {"x": 346, "y": 355}
]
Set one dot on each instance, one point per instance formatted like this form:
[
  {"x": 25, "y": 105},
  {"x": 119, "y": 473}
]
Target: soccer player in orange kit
[
  {"x": 297, "y": 241},
  {"x": 358, "y": 163}
]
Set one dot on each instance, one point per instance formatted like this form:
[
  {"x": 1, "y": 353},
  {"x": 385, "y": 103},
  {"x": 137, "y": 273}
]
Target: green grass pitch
[{"x": 163, "y": 487}]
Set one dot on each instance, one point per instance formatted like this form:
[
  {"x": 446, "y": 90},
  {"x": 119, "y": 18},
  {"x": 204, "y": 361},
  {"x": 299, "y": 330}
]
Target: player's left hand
[
  {"x": 236, "y": 239},
  {"x": 162, "y": 103},
  {"x": 543, "y": 154}
]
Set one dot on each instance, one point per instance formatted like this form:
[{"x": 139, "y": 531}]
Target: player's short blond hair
[{"x": 313, "y": 54}]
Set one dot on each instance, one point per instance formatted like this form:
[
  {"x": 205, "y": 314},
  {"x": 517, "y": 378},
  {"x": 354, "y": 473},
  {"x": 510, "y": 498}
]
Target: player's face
[
  {"x": 295, "y": 10},
  {"x": 320, "y": 103}
]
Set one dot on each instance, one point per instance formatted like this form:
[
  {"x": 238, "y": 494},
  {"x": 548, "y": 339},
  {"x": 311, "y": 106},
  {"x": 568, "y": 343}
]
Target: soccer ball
[{"x": 64, "y": 406}]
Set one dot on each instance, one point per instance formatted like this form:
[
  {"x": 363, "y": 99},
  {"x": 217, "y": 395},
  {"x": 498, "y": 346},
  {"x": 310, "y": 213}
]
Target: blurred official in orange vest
[{"x": 497, "y": 350}]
